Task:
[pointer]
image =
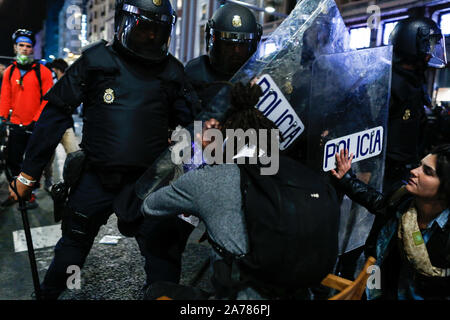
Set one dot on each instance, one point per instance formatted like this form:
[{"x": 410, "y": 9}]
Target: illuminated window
[
  {"x": 445, "y": 23},
  {"x": 388, "y": 27},
  {"x": 204, "y": 9},
  {"x": 359, "y": 38}
]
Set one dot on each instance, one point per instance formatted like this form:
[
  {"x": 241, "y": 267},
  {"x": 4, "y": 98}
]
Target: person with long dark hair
[
  {"x": 410, "y": 237},
  {"x": 268, "y": 218}
]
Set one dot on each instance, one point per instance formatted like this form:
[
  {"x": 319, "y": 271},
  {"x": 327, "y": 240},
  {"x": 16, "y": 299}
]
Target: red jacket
[{"x": 24, "y": 100}]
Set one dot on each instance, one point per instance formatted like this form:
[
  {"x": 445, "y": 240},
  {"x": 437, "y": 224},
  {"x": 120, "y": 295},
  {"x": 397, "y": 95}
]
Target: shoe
[
  {"x": 32, "y": 203},
  {"x": 8, "y": 202}
]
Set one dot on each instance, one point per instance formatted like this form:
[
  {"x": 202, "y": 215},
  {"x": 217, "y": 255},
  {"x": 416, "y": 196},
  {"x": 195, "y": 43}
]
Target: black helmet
[
  {"x": 419, "y": 40},
  {"x": 144, "y": 27},
  {"x": 25, "y": 35},
  {"x": 232, "y": 37}
]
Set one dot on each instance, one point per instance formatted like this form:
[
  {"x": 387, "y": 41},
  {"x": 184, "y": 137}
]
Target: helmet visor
[
  {"x": 145, "y": 37},
  {"x": 228, "y": 54},
  {"x": 437, "y": 53}
]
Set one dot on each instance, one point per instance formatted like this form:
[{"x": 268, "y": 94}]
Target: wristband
[{"x": 25, "y": 181}]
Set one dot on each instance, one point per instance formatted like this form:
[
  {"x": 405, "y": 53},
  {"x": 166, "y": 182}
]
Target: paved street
[{"x": 111, "y": 272}]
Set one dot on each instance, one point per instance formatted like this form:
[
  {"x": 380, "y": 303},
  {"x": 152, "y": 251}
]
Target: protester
[
  {"x": 25, "y": 82},
  {"x": 410, "y": 237},
  {"x": 213, "y": 193}
]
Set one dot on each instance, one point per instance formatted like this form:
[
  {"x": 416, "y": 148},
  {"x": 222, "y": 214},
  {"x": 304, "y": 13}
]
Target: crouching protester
[
  {"x": 273, "y": 236},
  {"x": 410, "y": 237}
]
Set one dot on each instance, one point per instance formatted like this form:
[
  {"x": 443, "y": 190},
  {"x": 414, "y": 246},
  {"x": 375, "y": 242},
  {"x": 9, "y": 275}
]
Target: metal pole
[
  {"x": 29, "y": 239},
  {"x": 31, "y": 255}
]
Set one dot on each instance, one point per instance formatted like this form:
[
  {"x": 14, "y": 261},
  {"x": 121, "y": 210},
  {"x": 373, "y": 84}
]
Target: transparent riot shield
[
  {"x": 313, "y": 28},
  {"x": 349, "y": 110}
]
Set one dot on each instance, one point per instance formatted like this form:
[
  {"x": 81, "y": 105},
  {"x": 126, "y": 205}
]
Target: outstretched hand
[
  {"x": 343, "y": 164},
  {"x": 209, "y": 124}
]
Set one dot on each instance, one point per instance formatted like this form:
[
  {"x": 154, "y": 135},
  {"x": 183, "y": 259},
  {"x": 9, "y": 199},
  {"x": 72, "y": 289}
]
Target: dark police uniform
[
  {"x": 206, "y": 81},
  {"x": 406, "y": 125},
  {"x": 128, "y": 109}
]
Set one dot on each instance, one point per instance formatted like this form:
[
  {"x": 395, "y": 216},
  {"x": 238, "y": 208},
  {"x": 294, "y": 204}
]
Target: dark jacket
[
  {"x": 385, "y": 208},
  {"x": 407, "y": 117},
  {"x": 206, "y": 81},
  {"x": 128, "y": 109}
]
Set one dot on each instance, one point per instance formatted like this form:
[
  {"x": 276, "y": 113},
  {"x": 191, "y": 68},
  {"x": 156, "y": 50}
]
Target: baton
[{"x": 29, "y": 239}]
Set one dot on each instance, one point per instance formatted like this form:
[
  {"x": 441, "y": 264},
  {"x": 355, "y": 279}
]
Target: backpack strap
[
  {"x": 37, "y": 69},
  {"x": 13, "y": 67}
]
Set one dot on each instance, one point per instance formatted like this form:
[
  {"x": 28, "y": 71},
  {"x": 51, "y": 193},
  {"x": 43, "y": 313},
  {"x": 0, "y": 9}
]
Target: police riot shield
[
  {"x": 349, "y": 110},
  {"x": 282, "y": 66},
  {"x": 313, "y": 28}
]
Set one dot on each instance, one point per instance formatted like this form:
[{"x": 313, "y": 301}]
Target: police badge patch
[
  {"x": 157, "y": 2},
  {"x": 108, "y": 97},
  {"x": 237, "y": 22},
  {"x": 407, "y": 114}
]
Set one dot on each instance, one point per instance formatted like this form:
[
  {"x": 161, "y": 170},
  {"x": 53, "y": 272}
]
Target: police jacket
[
  {"x": 385, "y": 208},
  {"x": 206, "y": 81},
  {"x": 23, "y": 93},
  {"x": 406, "y": 116},
  {"x": 128, "y": 109}
]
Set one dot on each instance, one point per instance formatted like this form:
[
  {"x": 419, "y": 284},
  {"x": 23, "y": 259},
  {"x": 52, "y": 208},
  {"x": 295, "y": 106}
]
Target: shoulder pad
[
  {"x": 174, "y": 70},
  {"x": 93, "y": 45},
  {"x": 99, "y": 57}
]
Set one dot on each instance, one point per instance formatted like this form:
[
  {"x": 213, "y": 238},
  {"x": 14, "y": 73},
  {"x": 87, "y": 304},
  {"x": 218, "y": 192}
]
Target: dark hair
[
  {"x": 443, "y": 169},
  {"x": 59, "y": 64},
  {"x": 242, "y": 113}
]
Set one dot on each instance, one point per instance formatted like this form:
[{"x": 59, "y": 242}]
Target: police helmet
[
  {"x": 23, "y": 35},
  {"x": 144, "y": 27},
  {"x": 419, "y": 40},
  {"x": 232, "y": 37}
]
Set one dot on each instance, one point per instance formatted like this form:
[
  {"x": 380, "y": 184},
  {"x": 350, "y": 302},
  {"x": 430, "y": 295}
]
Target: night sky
[{"x": 15, "y": 14}]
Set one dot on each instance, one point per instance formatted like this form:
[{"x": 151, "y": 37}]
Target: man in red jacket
[{"x": 24, "y": 84}]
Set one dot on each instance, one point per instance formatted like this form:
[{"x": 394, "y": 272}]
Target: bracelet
[{"x": 25, "y": 181}]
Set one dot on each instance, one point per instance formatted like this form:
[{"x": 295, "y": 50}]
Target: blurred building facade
[
  {"x": 100, "y": 20},
  {"x": 70, "y": 29},
  {"x": 188, "y": 39}
]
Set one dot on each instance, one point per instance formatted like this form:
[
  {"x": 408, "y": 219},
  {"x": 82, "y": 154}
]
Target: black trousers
[
  {"x": 161, "y": 241},
  {"x": 17, "y": 143}
]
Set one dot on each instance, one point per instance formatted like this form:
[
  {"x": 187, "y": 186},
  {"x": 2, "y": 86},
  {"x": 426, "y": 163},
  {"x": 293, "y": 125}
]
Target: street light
[{"x": 270, "y": 9}]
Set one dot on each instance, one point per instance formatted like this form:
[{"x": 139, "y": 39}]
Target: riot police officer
[
  {"x": 418, "y": 43},
  {"x": 133, "y": 91},
  {"x": 232, "y": 36}
]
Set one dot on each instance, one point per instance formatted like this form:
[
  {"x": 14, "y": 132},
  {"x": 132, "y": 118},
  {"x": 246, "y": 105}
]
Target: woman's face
[{"x": 424, "y": 182}]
